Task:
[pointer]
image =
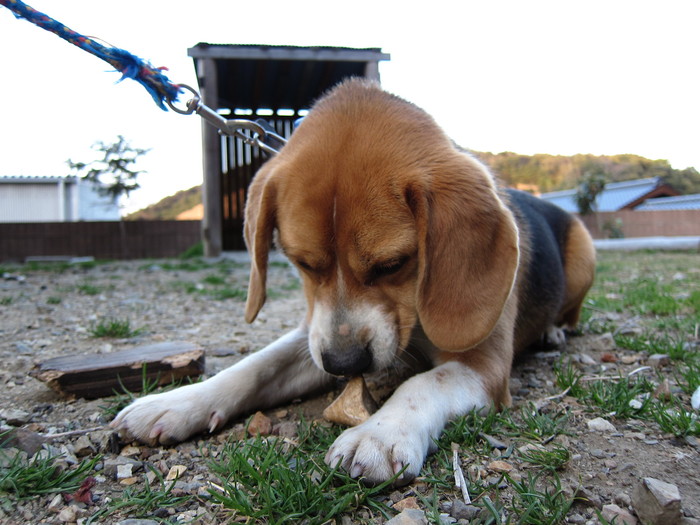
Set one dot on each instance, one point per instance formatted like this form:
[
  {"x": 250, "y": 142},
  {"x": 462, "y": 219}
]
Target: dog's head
[{"x": 389, "y": 225}]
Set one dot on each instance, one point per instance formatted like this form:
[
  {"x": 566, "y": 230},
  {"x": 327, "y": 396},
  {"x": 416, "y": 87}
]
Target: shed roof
[
  {"x": 35, "y": 179},
  {"x": 678, "y": 202},
  {"x": 616, "y": 195},
  {"x": 280, "y": 77}
]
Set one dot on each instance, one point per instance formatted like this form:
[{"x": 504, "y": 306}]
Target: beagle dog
[{"x": 403, "y": 242}]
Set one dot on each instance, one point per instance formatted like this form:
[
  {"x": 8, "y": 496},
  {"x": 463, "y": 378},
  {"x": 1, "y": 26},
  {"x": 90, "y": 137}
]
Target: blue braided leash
[{"x": 156, "y": 83}]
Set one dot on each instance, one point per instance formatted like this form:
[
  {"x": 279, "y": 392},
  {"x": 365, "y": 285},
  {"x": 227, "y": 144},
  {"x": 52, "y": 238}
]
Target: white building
[{"x": 54, "y": 199}]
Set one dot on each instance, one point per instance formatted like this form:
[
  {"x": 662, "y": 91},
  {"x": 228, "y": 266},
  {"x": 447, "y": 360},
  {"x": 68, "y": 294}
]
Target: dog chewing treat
[
  {"x": 353, "y": 406},
  {"x": 410, "y": 253}
]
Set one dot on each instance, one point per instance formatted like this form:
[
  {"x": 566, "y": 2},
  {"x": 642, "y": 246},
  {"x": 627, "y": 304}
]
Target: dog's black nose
[{"x": 350, "y": 361}]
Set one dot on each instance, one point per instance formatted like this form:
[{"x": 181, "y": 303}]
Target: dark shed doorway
[{"x": 277, "y": 83}]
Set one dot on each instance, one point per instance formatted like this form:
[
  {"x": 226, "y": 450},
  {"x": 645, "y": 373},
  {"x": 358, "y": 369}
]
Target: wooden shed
[{"x": 277, "y": 83}]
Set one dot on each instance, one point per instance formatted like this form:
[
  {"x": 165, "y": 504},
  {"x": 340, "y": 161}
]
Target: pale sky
[{"x": 558, "y": 77}]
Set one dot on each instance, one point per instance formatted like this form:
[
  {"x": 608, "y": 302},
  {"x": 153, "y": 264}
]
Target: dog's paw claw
[{"x": 376, "y": 454}]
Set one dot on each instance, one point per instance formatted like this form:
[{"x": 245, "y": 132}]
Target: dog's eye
[
  {"x": 388, "y": 268},
  {"x": 305, "y": 266}
]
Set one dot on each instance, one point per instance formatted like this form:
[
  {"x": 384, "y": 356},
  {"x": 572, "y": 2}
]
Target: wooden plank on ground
[{"x": 102, "y": 375}]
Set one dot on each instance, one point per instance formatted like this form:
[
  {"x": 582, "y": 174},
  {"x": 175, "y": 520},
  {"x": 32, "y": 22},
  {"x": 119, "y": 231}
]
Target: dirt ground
[{"x": 47, "y": 313}]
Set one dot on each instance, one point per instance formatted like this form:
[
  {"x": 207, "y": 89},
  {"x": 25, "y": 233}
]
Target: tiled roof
[
  {"x": 679, "y": 202},
  {"x": 34, "y": 179},
  {"x": 615, "y": 196}
]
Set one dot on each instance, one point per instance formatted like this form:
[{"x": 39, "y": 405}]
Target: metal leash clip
[{"x": 258, "y": 134}]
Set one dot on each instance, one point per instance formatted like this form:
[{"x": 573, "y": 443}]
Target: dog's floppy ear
[
  {"x": 468, "y": 253},
  {"x": 260, "y": 219}
]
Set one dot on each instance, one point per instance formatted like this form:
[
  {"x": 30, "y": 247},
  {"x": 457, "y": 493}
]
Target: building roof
[
  {"x": 616, "y": 195},
  {"x": 280, "y": 77},
  {"x": 35, "y": 179},
  {"x": 678, "y": 202}
]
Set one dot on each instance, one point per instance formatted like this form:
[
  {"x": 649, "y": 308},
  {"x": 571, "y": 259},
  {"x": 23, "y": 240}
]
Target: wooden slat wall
[{"x": 102, "y": 240}]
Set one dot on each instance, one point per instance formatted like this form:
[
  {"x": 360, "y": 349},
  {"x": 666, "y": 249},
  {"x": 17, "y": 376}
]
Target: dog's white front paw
[
  {"x": 171, "y": 416},
  {"x": 378, "y": 449}
]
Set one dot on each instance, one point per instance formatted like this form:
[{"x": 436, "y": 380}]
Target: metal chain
[{"x": 248, "y": 131}]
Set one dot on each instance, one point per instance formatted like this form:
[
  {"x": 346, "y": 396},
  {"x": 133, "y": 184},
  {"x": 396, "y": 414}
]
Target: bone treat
[{"x": 353, "y": 406}]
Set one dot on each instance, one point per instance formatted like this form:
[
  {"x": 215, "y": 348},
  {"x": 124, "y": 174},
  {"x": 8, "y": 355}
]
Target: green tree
[
  {"x": 113, "y": 172},
  {"x": 591, "y": 186}
]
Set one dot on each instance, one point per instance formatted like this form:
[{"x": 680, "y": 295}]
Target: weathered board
[{"x": 102, "y": 375}]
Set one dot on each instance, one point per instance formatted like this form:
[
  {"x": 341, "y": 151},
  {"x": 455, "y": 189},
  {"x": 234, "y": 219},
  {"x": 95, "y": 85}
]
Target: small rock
[
  {"x": 23, "y": 439},
  {"x": 604, "y": 343},
  {"x": 136, "y": 521},
  {"x": 55, "y": 503},
  {"x": 585, "y": 359},
  {"x": 608, "y": 357},
  {"x": 601, "y": 425},
  {"x": 83, "y": 446},
  {"x": 663, "y": 391},
  {"x": 657, "y": 502},
  {"x": 286, "y": 429},
  {"x": 133, "y": 480},
  {"x": 409, "y": 517},
  {"x": 499, "y": 466},
  {"x": 630, "y": 359},
  {"x": 657, "y": 360},
  {"x": 125, "y": 471},
  {"x": 67, "y": 515},
  {"x": 130, "y": 450},
  {"x": 598, "y": 453},
  {"x": 406, "y": 503},
  {"x": 576, "y": 518},
  {"x": 494, "y": 442},
  {"x": 695, "y": 399},
  {"x": 15, "y": 417},
  {"x": 531, "y": 447},
  {"x": 462, "y": 511},
  {"x": 586, "y": 494},
  {"x": 175, "y": 472},
  {"x": 615, "y": 514},
  {"x": 260, "y": 424},
  {"x": 111, "y": 465}
]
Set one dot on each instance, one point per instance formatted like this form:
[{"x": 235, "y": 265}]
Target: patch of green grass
[
  {"x": 189, "y": 265},
  {"x": 228, "y": 293},
  {"x": 56, "y": 267},
  {"x": 194, "y": 251},
  {"x": 675, "y": 348},
  {"x": 282, "y": 482},
  {"x": 214, "y": 280},
  {"x": 675, "y": 418},
  {"x": 7, "y": 300},
  {"x": 607, "y": 395},
  {"x": 23, "y": 477},
  {"x": 53, "y": 300},
  {"x": 116, "y": 328},
  {"x": 89, "y": 289},
  {"x": 647, "y": 296},
  {"x": 538, "y": 425},
  {"x": 550, "y": 459},
  {"x": 538, "y": 500},
  {"x": 143, "y": 502}
]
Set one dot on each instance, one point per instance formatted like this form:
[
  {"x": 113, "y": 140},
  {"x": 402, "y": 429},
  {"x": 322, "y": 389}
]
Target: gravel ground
[{"x": 46, "y": 313}]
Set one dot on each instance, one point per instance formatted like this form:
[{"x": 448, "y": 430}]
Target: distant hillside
[
  {"x": 546, "y": 172},
  {"x": 169, "y": 207},
  {"x": 558, "y": 172}
]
